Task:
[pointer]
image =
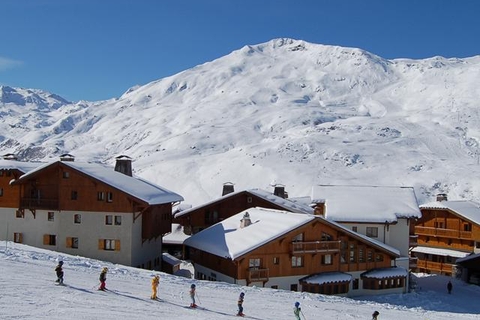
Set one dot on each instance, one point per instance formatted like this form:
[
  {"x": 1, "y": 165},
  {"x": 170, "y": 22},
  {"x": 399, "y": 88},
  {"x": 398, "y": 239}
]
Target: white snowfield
[{"x": 28, "y": 291}]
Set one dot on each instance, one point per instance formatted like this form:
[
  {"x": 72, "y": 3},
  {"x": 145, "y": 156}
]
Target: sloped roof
[
  {"x": 327, "y": 277},
  {"x": 441, "y": 252},
  {"x": 134, "y": 186},
  {"x": 384, "y": 273},
  {"x": 467, "y": 209},
  {"x": 226, "y": 238},
  {"x": 268, "y": 196},
  {"x": 468, "y": 258},
  {"x": 370, "y": 204},
  {"x": 19, "y": 165}
]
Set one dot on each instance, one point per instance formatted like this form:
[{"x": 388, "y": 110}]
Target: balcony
[
  {"x": 34, "y": 203},
  {"x": 439, "y": 232},
  {"x": 413, "y": 241},
  {"x": 315, "y": 246},
  {"x": 413, "y": 262},
  {"x": 257, "y": 275},
  {"x": 435, "y": 267}
]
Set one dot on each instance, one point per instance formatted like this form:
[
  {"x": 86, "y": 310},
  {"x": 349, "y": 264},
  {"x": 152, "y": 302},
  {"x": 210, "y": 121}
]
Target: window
[
  {"x": 297, "y": 261},
  {"x": 361, "y": 255},
  {"x": 298, "y": 238},
  {"x": 108, "y": 220},
  {"x": 254, "y": 263},
  {"x": 369, "y": 256},
  {"x": 118, "y": 220},
  {"x": 1, "y": 192},
  {"x": 77, "y": 218},
  {"x": 439, "y": 224},
  {"x": 66, "y": 174},
  {"x": 19, "y": 214},
  {"x": 249, "y": 200},
  {"x": 49, "y": 239},
  {"x": 477, "y": 245},
  {"x": 467, "y": 227},
  {"x": 372, "y": 232},
  {"x": 354, "y": 229},
  {"x": 17, "y": 237},
  {"x": 109, "y": 244},
  {"x": 293, "y": 287},
  {"x": 355, "y": 284},
  {"x": 276, "y": 260},
  {"x": 379, "y": 257},
  {"x": 326, "y": 237},
  {"x": 353, "y": 256},
  {"x": 109, "y": 196},
  {"x": 72, "y": 242},
  {"x": 74, "y": 195},
  {"x": 101, "y": 196},
  {"x": 327, "y": 259},
  {"x": 51, "y": 216}
]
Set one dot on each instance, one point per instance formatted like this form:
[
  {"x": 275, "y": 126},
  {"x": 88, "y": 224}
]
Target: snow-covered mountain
[
  {"x": 29, "y": 292},
  {"x": 285, "y": 111}
]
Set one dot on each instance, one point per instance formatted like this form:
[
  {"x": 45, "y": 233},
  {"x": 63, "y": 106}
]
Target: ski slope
[{"x": 28, "y": 291}]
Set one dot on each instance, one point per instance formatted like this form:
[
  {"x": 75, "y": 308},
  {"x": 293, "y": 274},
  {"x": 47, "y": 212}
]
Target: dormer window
[{"x": 66, "y": 174}]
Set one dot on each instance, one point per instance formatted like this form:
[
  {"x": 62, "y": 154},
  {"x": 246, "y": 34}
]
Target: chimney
[
  {"x": 228, "y": 188},
  {"x": 279, "y": 191},
  {"x": 10, "y": 156},
  {"x": 442, "y": 197},
  {"x": 124, "y": 165},
  {"x": 245, "y": 222},
  {"x": 67, "y": 157},
  {"x": 319, "y": 208}
]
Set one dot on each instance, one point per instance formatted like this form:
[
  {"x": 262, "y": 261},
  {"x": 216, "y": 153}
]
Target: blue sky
[{"x": 97, "y": 49}]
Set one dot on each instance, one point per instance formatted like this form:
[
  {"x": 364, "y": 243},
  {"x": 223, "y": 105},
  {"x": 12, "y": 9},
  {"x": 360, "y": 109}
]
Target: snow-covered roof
[
  {"x": 171, "y": 260},
  {"x": 441, "y": 252},
  {"x": 137, "y": 187},
  {"x": 177, "y": 236},
  {"x": 468, "y": 258},
  {"x": 384, "y": 273},
  {"x": 374, "y": 204},
  {"x": 268, "y": 196},
  {"x": 19, "y": 165},
  {"x": 467, "y": 209},
  {"x": 327, "y": 277},
  {"x": 227, "y": 239}
]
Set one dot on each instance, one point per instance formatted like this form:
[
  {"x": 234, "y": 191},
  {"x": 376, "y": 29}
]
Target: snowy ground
[{"x": 28, "y": 291}]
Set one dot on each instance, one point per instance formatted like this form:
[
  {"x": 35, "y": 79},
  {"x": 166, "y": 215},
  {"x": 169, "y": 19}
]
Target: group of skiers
[{"x": 297, "y": 311}]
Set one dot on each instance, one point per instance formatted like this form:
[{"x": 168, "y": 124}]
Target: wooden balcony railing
[
  {"x": 413, "y": 262},
  {"x": 34, "y": 203},
  {"x": 315, "y": 246},
  {"x": 435, "y": 266},
  {"x": 413, "y": 241},
  {"x": 257, "y": 275},
  {"x": 439, "y": 232}
]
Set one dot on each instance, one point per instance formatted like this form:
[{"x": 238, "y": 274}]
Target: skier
[
  {"x": 155, "y": 282},
  {"x": 192, "y": 296},
  {"x": 375, "y": 315},
  {"x": 240, "y": 304},
  {"x": 103, "y": 279},
  {"x": 59, "y": 272},
  {"x": 449, "y": 287},
  {"x": 297, "y": 310}
]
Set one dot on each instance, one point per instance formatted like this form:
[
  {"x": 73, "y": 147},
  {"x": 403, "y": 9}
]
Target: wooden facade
[
  {"x": 315, "y": 247},
  {"x": 443, "y": 228},
  {"x": 9, "y": 195}
]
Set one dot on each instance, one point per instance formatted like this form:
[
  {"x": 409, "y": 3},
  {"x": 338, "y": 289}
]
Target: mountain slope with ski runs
[{"x": 282, "y": 112}]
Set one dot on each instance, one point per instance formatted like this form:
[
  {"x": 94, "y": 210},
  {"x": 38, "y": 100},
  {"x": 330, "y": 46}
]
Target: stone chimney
[
  {"x": 67, "y": 157},
  {"x": 10, "y": 156},
  {"x": 279, "y": 191},
  {"x": 124, "y": 165},
  {"x": 319, "y": 208},
  {"x": 228, "y": 187},
  {"x": 442, "y": 197},
  {"x": 245, "y": 222}
]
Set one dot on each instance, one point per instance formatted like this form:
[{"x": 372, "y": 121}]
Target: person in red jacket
[{"x": 103, "y": 279}]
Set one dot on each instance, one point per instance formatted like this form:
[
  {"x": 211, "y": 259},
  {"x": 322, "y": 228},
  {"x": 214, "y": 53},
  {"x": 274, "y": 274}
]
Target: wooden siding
[
  {"x": 222, "y": 209},
  {"x": 156, "y": 221},
  {"x": 276, "y": 256},
  {"x": 11, "y": 194}
]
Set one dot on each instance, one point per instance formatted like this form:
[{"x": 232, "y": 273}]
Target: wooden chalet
[
  {"x": 285, "y": 250},
  {"x": 447, "y": 231},
  {"x": 201, "y": 217},
  {"x": 90, "y": 210}
]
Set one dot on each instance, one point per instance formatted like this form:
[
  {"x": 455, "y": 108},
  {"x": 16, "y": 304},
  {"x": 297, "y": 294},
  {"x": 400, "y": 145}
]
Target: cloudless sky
[{"x": 97, "y": 49}]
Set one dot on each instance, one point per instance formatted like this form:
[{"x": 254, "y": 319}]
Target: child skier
[
  {"x": 192, "y": 296},
  {"x": 240, "y": 304},
  {"x": 297, "y": 310},
  {"x": 155, "y": 282},
  {"x": 59, "y": 272},
  {"x": 375, "y": 315},
  {"x": 103, "y": 279}
]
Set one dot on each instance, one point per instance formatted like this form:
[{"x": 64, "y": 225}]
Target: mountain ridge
[{"x": 287, "y": 111}]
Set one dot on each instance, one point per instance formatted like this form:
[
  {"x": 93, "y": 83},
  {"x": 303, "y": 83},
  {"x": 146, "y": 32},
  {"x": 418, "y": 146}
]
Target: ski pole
[
  {"x": 303, "y": 315},
  {"x": 196, "y": 294}
]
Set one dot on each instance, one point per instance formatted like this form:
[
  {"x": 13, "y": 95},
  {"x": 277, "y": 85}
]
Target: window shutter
[
  {"x": 46, "y": 239},
  {"x": 101, "y": 244},
  {"x": 117, "y": 245},
  {"x": 69, "y": 242},
  {"x": 20, "y": 237}
]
